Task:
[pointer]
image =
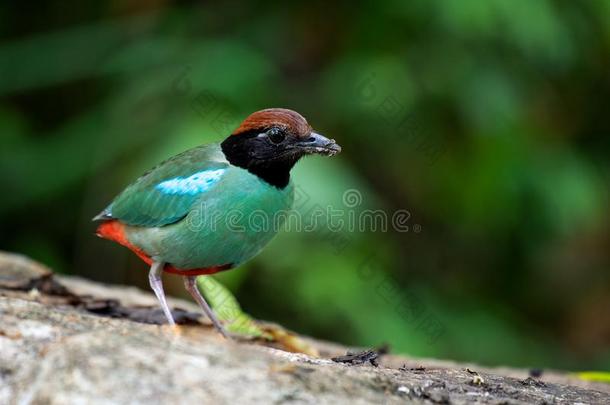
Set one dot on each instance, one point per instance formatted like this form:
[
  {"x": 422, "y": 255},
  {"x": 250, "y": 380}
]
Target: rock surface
[{"x": 70, "y": 341}]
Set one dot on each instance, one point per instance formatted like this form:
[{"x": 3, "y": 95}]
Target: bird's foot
[
  {"x": 174, "y": 329},
  {"x": 222, "y": 330}
]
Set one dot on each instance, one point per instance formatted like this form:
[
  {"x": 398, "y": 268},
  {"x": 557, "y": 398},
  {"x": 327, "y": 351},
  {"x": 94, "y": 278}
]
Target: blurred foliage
[{"x": 486, "y": 120}]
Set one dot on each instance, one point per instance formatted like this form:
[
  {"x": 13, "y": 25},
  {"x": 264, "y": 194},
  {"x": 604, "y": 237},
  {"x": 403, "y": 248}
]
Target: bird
[{"x": 192, "y": 214}]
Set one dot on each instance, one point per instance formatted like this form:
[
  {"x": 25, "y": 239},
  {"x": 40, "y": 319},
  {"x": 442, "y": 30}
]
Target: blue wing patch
[
  {"x": 191, "y": 185},
  {"x": 165, "y": 194}
]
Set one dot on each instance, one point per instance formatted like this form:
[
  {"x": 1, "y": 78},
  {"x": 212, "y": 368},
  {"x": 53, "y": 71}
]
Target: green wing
[{"x": 165, "y": 194}]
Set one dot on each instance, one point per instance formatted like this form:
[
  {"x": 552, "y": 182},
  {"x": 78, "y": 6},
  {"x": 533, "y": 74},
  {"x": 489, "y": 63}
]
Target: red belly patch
[{"x": 115, "y": 231}]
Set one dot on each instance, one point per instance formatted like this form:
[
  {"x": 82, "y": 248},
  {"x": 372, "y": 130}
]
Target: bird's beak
[{"x": 319, "y": 144}]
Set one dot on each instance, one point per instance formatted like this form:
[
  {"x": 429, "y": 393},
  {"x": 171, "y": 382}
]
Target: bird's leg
[
  {"x": 191, "y": 287},
  {"x": 154, "y": 276}
]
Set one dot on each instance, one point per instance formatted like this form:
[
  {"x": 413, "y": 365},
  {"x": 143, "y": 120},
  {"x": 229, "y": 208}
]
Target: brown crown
[{"x": 279, "y": 117}]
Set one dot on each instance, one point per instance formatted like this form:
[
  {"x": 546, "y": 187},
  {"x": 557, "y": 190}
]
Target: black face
[{"x": 272, "y": 152}]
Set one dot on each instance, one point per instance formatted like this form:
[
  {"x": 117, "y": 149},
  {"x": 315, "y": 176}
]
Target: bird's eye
[{"x": 276, "y": 135}]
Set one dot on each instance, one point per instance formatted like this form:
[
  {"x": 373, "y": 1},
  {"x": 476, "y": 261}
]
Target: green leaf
[
  {"x": 599, "y": 376},
  {"x": 227, "y": 308}
]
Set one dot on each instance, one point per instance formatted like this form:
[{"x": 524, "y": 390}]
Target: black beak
[{"x": 319, "y": 144}]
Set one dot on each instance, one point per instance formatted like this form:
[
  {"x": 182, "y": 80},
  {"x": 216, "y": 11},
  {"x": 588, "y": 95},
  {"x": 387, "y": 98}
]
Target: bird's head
[{"x": 270, "y": 142}]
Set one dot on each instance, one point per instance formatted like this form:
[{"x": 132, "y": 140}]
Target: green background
[{"x": 488, "y": 121}]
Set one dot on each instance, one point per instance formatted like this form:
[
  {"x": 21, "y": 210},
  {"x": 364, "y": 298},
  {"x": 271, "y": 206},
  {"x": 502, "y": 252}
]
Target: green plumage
[
  {"x": 196, "y": 210},
  {"x": 142, "y": 204}
]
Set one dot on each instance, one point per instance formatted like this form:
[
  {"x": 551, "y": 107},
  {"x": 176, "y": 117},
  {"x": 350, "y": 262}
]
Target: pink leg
[
  {"x": 191, "y": 287},
  {"x": 154, "y": 276}
]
